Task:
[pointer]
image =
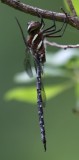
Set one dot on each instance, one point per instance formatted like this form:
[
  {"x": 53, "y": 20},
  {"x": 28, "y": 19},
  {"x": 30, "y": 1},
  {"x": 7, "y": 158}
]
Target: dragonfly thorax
[
  {"x": 33, "y": 27},
  {"x": 35, "y": 41}
]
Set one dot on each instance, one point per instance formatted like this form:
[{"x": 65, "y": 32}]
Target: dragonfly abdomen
[{"x": 40, "y": 106}]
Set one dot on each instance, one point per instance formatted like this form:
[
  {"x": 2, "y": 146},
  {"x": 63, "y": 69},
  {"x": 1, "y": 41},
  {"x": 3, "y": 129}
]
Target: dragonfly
[{"x": 35, "y": 46}]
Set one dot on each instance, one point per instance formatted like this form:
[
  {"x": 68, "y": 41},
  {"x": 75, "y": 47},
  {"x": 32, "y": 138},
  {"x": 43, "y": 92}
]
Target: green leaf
[
  {"x": 29, "y": 94},
  {"x": 75, "y": 4}
]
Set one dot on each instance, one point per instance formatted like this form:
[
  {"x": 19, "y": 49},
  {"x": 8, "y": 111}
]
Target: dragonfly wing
[
  {"x": 43, "y": 95},
  {"x": 27, "y": 64}
]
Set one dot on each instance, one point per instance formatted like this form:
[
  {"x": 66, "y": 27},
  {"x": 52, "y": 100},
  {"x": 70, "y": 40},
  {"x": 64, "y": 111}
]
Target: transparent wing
[
  {"x": 43, "y": 94},
  {"x": 27, "y": 63}
]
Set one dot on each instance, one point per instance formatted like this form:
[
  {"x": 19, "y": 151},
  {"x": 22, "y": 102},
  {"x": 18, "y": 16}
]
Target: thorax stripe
[
  {"x": 39, "y": 45},
  {"x": 34, "y": 38}
]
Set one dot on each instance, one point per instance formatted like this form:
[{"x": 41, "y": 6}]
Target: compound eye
[{"x": 33, "y": 26}]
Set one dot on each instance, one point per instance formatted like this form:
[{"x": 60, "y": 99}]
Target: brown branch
[
  {"x": 72, "y": 9},
  {"x": 73, "y": 21},
  {"x": 61, "y": 46}
]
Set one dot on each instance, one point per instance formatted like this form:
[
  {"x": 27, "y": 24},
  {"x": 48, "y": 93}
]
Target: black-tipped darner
[{"x": 35, "y": 46}]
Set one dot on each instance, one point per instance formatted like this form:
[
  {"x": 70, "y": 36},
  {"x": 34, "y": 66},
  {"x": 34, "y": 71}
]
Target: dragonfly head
[{"x": 33, "y": 27}]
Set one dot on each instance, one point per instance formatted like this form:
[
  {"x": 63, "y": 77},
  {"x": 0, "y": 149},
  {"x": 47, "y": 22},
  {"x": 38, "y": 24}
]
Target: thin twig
[
  {"x": 72, "y": 9},
  {"x": 61, "y": 46},
  {"x": 73, "y": 21}
]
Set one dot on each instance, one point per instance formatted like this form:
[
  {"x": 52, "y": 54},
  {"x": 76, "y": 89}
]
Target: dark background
[{"x": 19, "y": 129}]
